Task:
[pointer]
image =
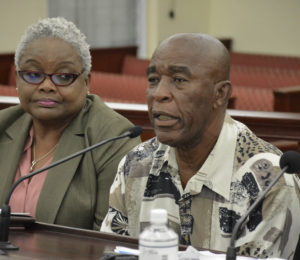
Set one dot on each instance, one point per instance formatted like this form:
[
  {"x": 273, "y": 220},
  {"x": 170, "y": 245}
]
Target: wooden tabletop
[{"x": 46, "y": 241}]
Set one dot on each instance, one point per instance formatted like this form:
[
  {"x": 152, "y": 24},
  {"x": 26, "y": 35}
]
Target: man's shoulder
[
  {"x": 256, "y": 160},
  {"x": 248, "y": 145},
  {"x": 139, "y": 160},
  {"x": 147, "y": 149}
]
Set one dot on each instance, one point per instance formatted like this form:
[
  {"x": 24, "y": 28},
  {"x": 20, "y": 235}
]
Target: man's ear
[{"x": 223, "y": 91}]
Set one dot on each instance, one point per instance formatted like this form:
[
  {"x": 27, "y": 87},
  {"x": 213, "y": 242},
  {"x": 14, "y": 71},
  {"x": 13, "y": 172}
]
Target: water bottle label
[{"x": 157, "y": 254}]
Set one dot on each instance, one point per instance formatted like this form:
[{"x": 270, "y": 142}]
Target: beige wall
[
  {"x": 256, "y": 26},
  {"x": 190, "y": 16},
  {"x": 15, "y": 17}
]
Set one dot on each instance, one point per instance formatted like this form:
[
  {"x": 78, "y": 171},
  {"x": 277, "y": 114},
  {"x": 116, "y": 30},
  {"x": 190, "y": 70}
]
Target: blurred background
[
  {"x": 262, "y": 36},
  {"x": 254, "y": 26}
]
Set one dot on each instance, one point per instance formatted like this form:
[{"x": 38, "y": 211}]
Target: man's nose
[{"x": 161, "y": 92}]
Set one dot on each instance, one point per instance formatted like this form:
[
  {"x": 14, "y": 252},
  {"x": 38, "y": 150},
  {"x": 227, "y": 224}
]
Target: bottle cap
[{"x": 159, "y": 216}]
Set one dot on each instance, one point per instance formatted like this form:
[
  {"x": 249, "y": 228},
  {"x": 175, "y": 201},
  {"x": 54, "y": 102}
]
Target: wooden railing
[
  {"x": 287, "y": 99},
  {"x": 280, "y": 128}
]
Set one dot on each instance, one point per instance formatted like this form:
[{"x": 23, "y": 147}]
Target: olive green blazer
[{"x": 76, "y": 192}]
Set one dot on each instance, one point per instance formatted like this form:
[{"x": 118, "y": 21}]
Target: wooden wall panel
[
  {"x": 106, "y": 59},
  {"x": 6, "y": 61}
]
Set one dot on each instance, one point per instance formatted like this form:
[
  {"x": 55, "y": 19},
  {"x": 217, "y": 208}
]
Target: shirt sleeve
[
  {"x": 116, "y": 220},
  {"x": 106, "y": 164},
  {"x": 276, "y": 230}
]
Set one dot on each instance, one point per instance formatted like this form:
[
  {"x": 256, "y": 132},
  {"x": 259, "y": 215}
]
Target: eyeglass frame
[{"x": 46, "y": 75}]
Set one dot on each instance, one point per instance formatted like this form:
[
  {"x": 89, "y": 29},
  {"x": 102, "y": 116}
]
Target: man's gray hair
[{"x": 57, "y": 27}]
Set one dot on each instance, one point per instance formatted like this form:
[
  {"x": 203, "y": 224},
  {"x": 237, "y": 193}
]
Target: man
[{"x": 203, "y": 167}]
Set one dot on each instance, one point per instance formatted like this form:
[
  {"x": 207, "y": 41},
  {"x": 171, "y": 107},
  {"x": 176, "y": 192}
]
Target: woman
[{"x": 57, "y": 117}]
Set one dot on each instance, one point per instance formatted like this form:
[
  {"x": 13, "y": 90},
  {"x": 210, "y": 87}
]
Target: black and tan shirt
[{"x": 205, "y": 212}]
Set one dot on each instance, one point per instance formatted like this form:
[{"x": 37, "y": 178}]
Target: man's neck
[{"x": 190, "y": 159}]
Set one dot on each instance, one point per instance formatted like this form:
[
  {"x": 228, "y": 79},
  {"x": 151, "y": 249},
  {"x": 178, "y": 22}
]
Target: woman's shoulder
[
  {"x": 101, "y": 120},
  {"x": 100, "y": 113},
  {"x": 16, "y": 110},
  {"x": 11, "y": 114},
  {"x": 13, "y": 118}
]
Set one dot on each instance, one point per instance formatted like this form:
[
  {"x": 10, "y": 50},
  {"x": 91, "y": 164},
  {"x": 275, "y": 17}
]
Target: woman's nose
[{"x": 47, "y": 85}]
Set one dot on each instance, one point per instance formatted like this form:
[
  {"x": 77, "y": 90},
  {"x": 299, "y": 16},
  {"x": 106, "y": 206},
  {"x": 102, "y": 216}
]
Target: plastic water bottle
[{"x": 158, "y": 242}]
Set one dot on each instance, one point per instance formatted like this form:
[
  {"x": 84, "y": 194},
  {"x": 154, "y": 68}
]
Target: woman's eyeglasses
[{"x": 58, "y": 79}]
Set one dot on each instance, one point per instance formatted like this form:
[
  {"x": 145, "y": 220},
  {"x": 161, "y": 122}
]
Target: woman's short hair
[{"x": 57, "y": 27}]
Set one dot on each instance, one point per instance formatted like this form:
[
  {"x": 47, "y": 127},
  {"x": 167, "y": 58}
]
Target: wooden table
[{"x": 46, "y": 241}]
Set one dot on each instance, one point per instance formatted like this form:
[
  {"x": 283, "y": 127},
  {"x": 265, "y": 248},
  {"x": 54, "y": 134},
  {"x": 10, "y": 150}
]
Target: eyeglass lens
[{"x": 60, "y": 79}]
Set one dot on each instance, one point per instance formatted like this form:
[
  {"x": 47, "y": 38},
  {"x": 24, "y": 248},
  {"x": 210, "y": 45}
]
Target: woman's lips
[{"x": 47, "y": 102}]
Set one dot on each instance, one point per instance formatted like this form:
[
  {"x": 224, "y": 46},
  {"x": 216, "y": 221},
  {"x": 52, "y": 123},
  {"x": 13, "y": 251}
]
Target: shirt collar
[
  {"x": 216, "y": 172},
  {"x": 29, "y": 141}
]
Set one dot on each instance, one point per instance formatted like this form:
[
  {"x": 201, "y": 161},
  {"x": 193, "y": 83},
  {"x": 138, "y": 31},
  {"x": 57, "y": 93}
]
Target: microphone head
[
  {"x": 291, "y": 159},
  {"x": 135, "y": 131}
]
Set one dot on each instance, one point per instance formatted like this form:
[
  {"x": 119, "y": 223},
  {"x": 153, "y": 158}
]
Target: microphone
[
  {"x": 5, "y": 210},
  {"x": 289, "y": 163},
  {"x": 133, "y": 132}
]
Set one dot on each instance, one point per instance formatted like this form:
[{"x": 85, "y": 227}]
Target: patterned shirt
[{"x": 206, "y": 210}]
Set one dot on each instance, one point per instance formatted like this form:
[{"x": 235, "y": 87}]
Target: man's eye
[
  {"x": 153, "y": 80},
  {"x": 179, "y": 80}
]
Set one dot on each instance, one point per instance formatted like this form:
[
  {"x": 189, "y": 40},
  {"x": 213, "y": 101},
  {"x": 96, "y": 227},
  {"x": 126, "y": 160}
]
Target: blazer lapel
[
  {"x": 59, "y": 178},
  {"x": 11, "y": 148}
]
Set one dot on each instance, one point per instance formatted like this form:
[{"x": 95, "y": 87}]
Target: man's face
[{"x": 180, "y": 94}]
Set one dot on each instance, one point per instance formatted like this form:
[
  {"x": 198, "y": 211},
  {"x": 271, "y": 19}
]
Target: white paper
[
  {"x": 190, "y": 254},
  {"x": 126, "y": 250}
]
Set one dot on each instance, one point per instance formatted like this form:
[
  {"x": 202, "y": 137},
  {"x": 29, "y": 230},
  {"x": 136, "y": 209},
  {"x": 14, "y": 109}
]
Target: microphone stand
[
  {"x": 4, "y": 224},
  {"x": 5, "y": 210},
  {"x": 231, "y": 253}
]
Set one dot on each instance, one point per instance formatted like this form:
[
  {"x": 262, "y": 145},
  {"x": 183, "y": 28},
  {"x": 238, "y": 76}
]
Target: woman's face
[{"x": 47, "y": 102}]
